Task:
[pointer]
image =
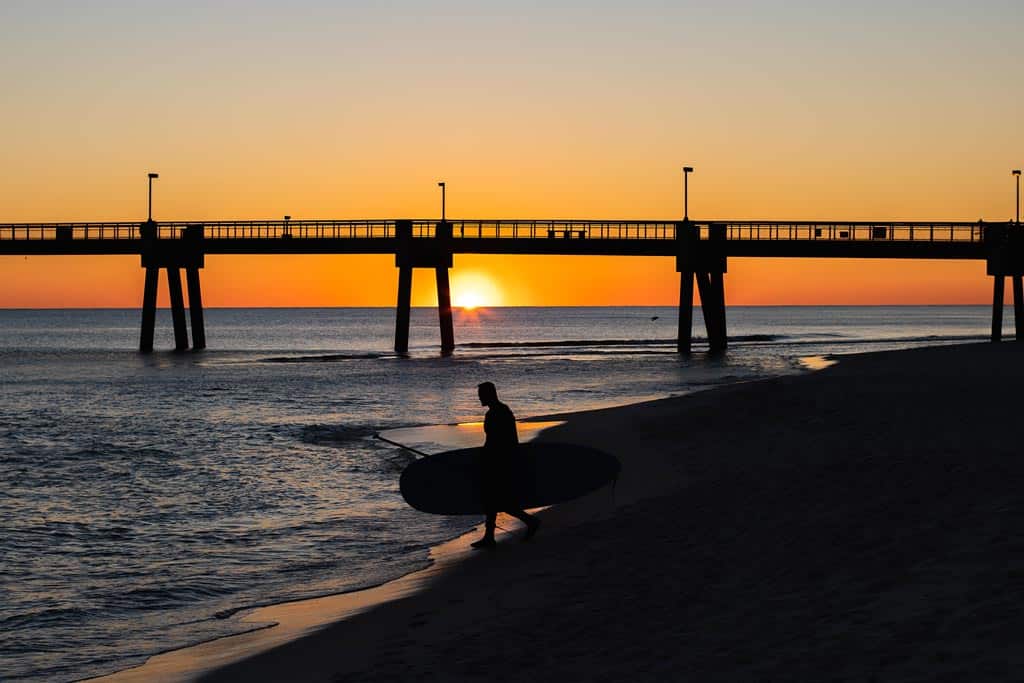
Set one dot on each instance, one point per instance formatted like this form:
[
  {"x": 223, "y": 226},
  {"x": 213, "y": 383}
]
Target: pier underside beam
[{"x": 195, "y": 308}]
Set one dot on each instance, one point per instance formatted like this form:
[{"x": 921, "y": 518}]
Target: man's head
[{"x": 488, "y": 394}]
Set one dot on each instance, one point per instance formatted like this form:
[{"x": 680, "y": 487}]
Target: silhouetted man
[{"x": 497, "y": 467}]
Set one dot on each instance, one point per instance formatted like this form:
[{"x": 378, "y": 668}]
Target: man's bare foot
[
  {"x": 531, "y": 529},
  {"x": 484, "y": 544}
]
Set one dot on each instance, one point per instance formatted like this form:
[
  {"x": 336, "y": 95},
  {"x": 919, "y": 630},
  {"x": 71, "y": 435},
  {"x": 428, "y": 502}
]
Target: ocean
[{"x": 147, "y": 499}]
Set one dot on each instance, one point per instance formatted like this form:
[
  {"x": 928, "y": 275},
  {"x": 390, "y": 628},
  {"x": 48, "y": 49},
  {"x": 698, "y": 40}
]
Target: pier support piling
[
  {"x": 444, "y": 311},
  {"x": 149, "y": 309},
  {"x": 172, "y": 254},
  {"x": 998, "y": 283},
  {"x": 424, "y": 252},
  {"x": 721, "y": 339},
  {"x": 177, "y": 308},
  {"x": 702, "y": 260},
  {"x": 704, "y": 289},
  {"x": 712, "y": 304},
  {"x": 1004, "y": 243},
  {"x": 684, "y": 341},
  {"x": 195, "y": 308},
  {"x": 1018, "y": 307},
  {"x": 403, "y": 309}
]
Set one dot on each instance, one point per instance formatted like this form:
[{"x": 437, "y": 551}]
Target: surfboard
[{"x": 545, "y": 474}]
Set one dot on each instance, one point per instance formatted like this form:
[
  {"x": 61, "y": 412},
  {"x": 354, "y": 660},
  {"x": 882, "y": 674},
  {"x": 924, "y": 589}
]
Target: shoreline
[
  {"x": 282, "y": 622},
  {"x": 285, "y": 622},
  {"x": 817, "y": 456}
]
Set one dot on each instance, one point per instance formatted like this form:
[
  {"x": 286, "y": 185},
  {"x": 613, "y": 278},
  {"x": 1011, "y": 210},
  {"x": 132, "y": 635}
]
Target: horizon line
[{"x": 476, "y": 308}]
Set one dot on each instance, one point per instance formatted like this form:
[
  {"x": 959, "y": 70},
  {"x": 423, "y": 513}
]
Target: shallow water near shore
[{"x": 148, "y": 499}]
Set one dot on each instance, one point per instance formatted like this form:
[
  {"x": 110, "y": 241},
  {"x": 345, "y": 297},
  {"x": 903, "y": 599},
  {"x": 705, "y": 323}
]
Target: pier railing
[
  {"x": 857, "y": 231},
  {"x": 319, "y": 229},
  {"x": 947, "y": 231}
]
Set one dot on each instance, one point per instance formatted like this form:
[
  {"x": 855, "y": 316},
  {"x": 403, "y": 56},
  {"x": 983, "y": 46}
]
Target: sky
[{"x": 828, "y": 110}]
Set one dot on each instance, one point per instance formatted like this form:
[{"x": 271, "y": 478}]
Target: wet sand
[{"x": 858, "y": 523}]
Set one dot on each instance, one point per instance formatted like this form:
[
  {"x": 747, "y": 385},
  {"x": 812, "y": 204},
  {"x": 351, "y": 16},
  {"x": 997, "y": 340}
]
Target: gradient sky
[{"x": 824, "y": 110}]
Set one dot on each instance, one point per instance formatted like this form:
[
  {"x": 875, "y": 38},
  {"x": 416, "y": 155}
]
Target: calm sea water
[{"x": 147, "y": 499}]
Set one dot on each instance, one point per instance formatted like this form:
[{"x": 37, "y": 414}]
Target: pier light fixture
[
  {"x": 1016, "y": 172},
  {"x": 442, "y": 186},
  {"x": 687, "y": 170},
  {"x": 152, "y": 177}
]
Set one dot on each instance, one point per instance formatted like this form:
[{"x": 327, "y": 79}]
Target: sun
[
  {"x": 469, "y": 300},
  {"x": 474, "y": 290}
]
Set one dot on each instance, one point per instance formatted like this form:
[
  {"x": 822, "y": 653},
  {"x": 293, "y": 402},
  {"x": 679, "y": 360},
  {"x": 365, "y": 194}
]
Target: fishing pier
[{"x": 701, "y": 250}]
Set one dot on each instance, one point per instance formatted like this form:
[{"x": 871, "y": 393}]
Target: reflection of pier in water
[{"x": 700, "y": 248}]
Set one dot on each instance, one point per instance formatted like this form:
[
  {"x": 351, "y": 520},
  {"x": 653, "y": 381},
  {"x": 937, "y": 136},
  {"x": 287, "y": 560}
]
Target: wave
[
  {"x": 578, "y": 354},
  {"x": 145, "y": 598},
  {"x": 325, "y": 358},
  {"x": 54, "y": 615},
  {"x": 930, "y": 338},
  {"x": 811, "y": 338},
  {"x": 635, "y": 344},
  {"x": 605, "y": 342}
]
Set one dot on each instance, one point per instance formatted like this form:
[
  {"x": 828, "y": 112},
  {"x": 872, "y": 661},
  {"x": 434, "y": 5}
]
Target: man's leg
[
  {"x": 488, "y": 540},
  {"x": 490, "y": 525},
  {"x": 531, "y": 521}
]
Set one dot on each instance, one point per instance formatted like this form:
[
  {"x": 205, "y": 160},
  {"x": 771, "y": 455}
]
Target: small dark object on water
[{"x": 655, "y": 317}]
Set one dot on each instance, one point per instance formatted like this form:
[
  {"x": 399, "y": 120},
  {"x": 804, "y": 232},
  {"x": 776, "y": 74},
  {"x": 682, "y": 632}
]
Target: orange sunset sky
[{"x": 827, "y": 110}]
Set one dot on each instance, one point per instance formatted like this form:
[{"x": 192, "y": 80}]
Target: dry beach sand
[{"x": 859, "y": 523}]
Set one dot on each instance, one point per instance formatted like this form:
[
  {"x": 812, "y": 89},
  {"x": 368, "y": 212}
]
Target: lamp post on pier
[
  {"x": 441, "y": 185},
  {"x": 687, "y": 170},
  {"x": 152, "y": 176},
  {"x": 1016, "y": 172}
]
